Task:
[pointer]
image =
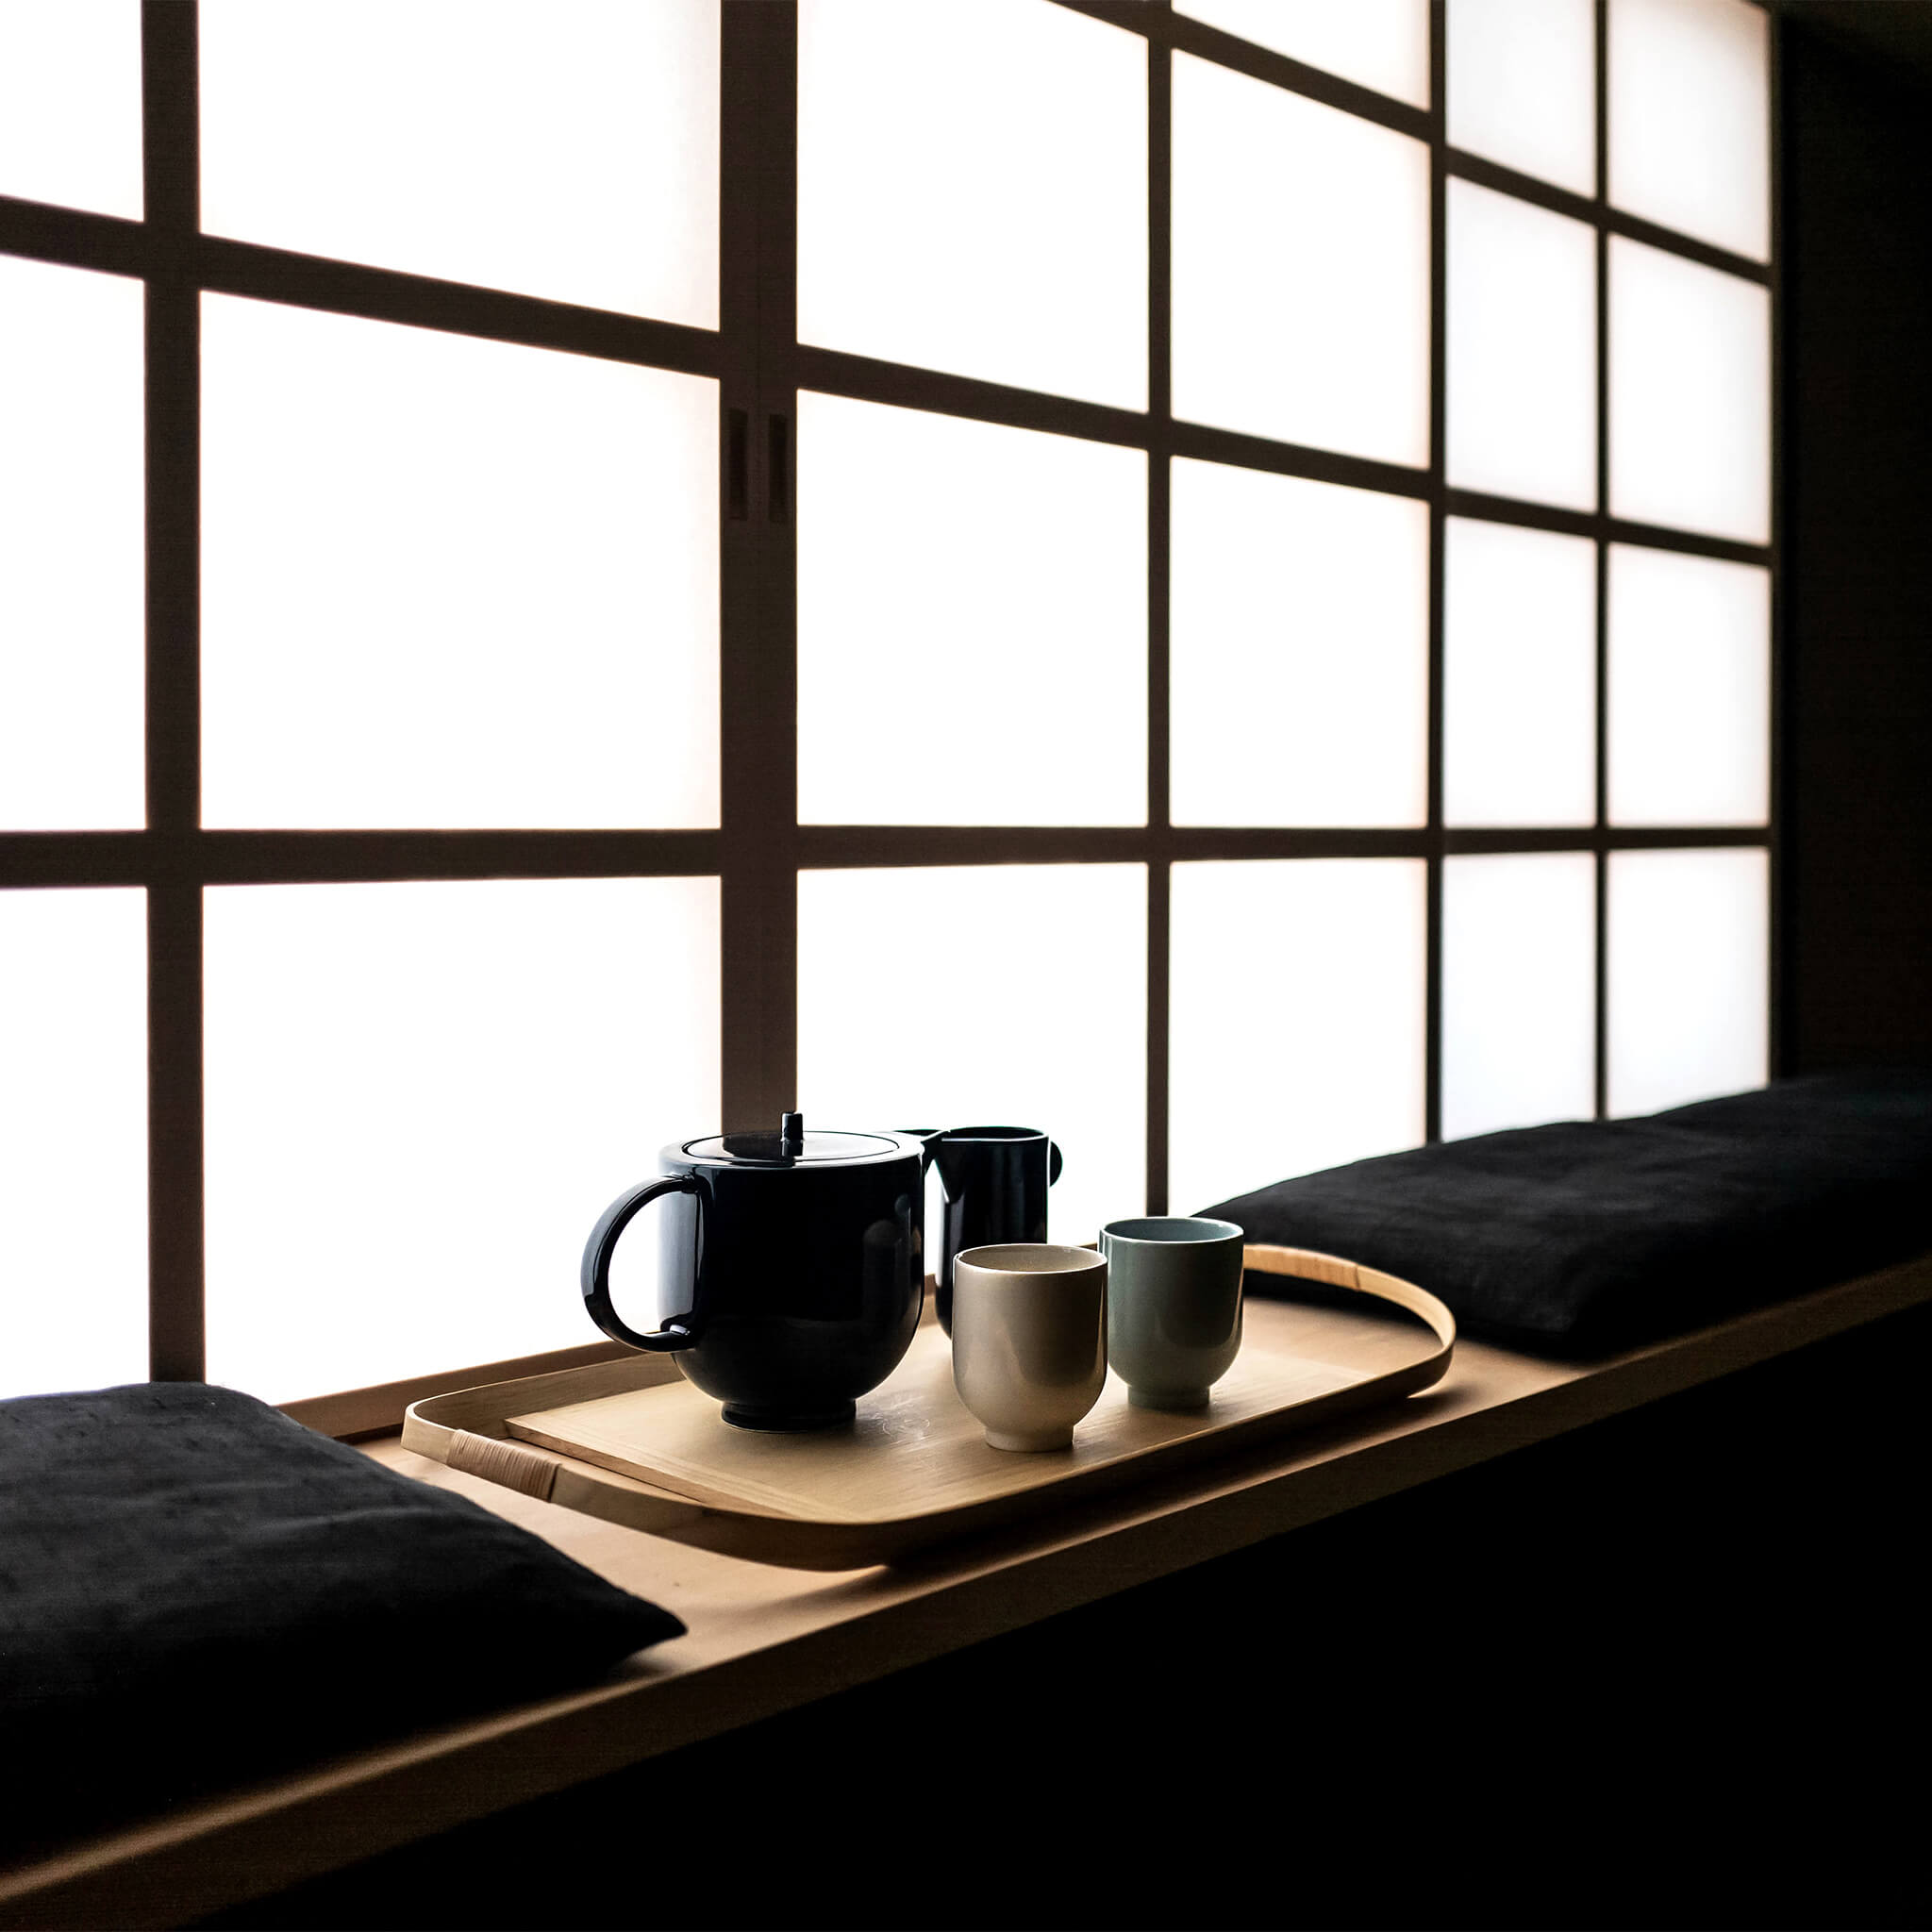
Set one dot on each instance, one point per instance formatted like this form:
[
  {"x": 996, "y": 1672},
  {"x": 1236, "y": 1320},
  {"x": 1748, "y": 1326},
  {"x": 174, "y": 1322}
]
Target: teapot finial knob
[{"x": 791, "y": 1134}]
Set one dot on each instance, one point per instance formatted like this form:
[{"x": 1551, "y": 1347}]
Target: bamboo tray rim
[{"x": 470, "y": 1430}]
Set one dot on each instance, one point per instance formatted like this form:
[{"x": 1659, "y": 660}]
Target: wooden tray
[{"x": 632, "y": 1441}]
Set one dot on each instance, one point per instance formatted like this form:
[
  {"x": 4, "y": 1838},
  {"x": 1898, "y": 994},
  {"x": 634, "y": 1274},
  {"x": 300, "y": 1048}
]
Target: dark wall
[{"x": 1858, "y": 462}]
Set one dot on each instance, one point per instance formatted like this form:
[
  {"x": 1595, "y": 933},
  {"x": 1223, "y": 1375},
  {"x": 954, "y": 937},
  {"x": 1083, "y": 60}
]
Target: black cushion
[
  {"x": 1589, "y": 1236},
  {"x": 196, "y": 1590}
]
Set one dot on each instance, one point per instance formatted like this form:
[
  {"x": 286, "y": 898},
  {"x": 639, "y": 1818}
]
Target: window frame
[{"x": 759, "y": 847}]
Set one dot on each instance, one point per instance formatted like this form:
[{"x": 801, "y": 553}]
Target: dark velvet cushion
[
  {"x": 1589, "y": 1236},
  {"x": 195, "y": 1590}
]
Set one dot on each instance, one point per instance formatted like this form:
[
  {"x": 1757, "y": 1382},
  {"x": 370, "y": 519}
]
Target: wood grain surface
[
  {"x": 915, "y": 1449},
  {"x": 915, "y": 1468}
]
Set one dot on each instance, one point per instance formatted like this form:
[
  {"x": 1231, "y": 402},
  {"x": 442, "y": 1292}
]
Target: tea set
[{"x": 798, "y": 1262}]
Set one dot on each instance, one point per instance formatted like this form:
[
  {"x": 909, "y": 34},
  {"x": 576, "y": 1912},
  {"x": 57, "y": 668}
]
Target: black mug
[{"x": 993, "y": 1181}]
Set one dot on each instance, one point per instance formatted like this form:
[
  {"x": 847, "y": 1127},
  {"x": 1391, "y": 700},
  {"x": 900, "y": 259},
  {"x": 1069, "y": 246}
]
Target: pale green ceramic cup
[{"x": 1174, "y": 1307}]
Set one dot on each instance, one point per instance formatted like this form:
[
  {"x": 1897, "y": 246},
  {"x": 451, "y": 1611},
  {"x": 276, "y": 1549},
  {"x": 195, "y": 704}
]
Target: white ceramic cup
[{"x": 1030, "y": 1339}]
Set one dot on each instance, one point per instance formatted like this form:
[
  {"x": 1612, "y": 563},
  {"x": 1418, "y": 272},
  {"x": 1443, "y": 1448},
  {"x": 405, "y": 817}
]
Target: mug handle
[
  {"x": 681, "y": 1331},
  {"x": 1053, "y": 1162}
]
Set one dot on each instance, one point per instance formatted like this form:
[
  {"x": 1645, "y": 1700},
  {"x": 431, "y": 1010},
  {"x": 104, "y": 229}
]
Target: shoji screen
[
  {"x": 972, "y": 577},
  {"x": 1608, "y": 352},
  {"x": 1199, "y": 575},
  {"x": 359, "y": 721}
]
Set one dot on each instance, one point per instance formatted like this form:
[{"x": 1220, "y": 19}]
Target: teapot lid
[{"x": 791, "y": 1146}]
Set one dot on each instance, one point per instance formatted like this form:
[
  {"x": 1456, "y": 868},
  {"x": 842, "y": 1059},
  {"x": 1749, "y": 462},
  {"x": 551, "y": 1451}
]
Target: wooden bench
[{"x": 764, "y": 1640}]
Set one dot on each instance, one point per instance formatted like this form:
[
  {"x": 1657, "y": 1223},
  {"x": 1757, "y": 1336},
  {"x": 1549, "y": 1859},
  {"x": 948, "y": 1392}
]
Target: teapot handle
[{"x": 681, "y": 1331}]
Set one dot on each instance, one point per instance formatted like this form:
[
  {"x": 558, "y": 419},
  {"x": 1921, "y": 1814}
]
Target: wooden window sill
[{"x": 764, "y": 1639}]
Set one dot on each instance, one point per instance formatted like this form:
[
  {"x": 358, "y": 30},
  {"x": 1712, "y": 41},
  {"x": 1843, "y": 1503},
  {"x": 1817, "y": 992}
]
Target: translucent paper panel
[
  {"x": 1296, "y": 1019},
  {"x": 973, "y": 191},
  {"x": 452, "y": 582},
  {"x": 70, "y": 103},
  {"x": 420, "y": 1098},
  {"x": 1299, "y": 652},
  {"x": 1689, "y": 133},
  {"x": 71, "y": 575},
  {"x": 1690, "y": 690},
  {"x": 567, "y": 151},
  {"x": 1522, "y": 402},
  {"x": 1381, "y": 43},
  {"x": 1689, "y": 395},
  {"x": 1522, "y": 86},
  {"x": 72, "y": 1140},
  {"x": 972, "y": 621},
  {"x": 1687, "y": 990},
  {"x": 1015, "y": 993},
  {"x": 1301, "y": 269},
  {"x": 1518, "y": 692},
  {"x": 1519, "y": 991}
]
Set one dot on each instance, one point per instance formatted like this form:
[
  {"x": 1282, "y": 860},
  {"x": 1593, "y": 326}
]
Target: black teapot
[{"x": 797, "y": 1257}]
